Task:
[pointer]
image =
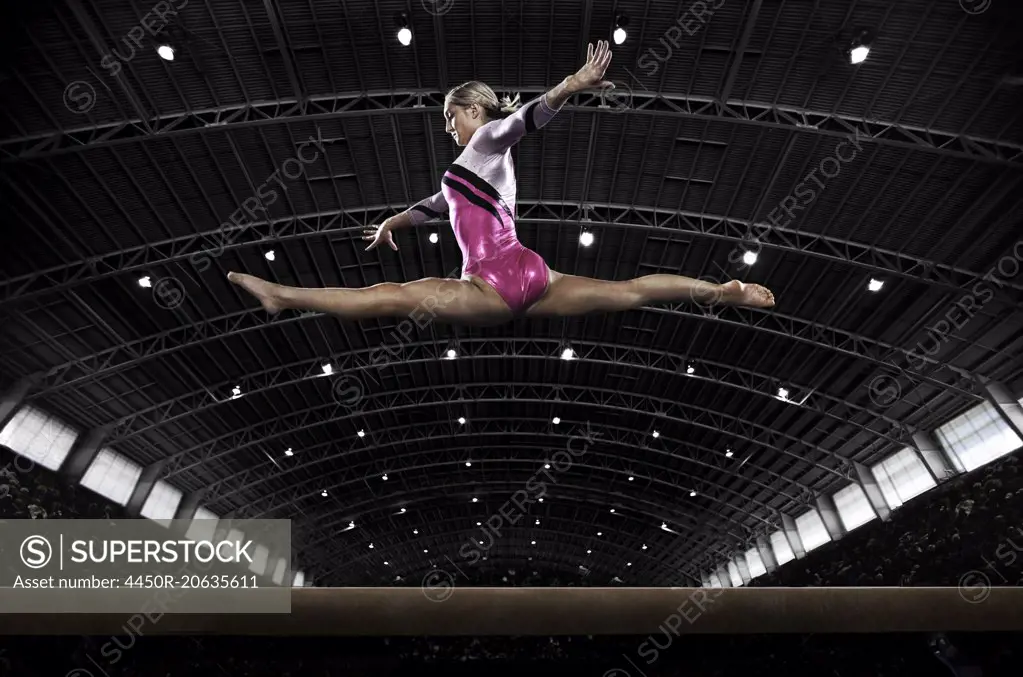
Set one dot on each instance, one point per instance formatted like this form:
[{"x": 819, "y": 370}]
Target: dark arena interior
[{"x": 653, "y": 478}]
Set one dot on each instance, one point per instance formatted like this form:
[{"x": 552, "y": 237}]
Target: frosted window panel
[
  {"x": 902, "y": 476},
  {"x": 278, "y": 575},
  {"x": 259, "y": 557},
  {"x": 203, "y": 525},
  {"x": 978, "y": 437},
  {"x": 715, "y": 580},
  {"x": 853, "y": 507},
  {"x": 811, "y": 530},
  {"x": 162, "y": 503},
  {"x": 755, "y": 563},
  {"x": 733, "y": 575},
  {"x": 705, "y": 581},
  {"x": 37, "y": 436},
  {"x": 112, "y": 475},
  {"x": 299, "y": 579},
  {"x": 781, "y": 547}
]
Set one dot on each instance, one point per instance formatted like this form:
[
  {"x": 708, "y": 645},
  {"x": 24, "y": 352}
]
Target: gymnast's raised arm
[
  {"x": 427, "y": 209},
  {"x": 500, "y": 135}
]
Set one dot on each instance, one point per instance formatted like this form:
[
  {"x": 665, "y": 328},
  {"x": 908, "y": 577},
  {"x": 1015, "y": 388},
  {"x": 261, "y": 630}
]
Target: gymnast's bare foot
[
  {"x": 265, "y": 291},
  {"x": 737, "y": 293}
]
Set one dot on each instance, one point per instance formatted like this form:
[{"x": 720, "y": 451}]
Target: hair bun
[{"x": 509, "y": 105}]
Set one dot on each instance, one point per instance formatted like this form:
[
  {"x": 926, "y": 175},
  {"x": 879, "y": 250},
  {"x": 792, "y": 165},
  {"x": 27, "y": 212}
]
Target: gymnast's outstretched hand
[
  {"x": 381, "y": 233},
  {"x": 591, "y": 75}
]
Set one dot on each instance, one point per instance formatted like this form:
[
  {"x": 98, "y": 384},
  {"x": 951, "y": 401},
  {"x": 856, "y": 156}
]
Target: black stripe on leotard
[
  {"x": 471, "y": 196},
  {"x": 429, "y": 212},
  {"x": 481, "y": 185}
]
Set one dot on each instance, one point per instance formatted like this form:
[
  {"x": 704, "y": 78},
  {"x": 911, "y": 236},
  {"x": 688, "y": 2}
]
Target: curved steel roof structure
[{"x": 750, "y": 130}]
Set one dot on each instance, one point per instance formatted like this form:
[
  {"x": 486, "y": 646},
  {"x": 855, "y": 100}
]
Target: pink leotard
[{"x": 479, "y": 190}]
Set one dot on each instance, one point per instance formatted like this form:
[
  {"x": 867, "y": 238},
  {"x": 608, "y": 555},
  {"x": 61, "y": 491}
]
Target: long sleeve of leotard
[
  {"x": 433, "y": 207},
  {"x": 499, "y": 135}
]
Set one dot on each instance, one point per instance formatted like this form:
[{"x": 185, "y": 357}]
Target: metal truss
[
  {"x": 593, "y": 214},
  {"x": 412, "y": 398},
  {"x": 634, "y": 101},
  {"x": 327, "y": 526},
  {"x": 512, "y": 453},
  {"x": 356, "y": 364},
  {"x": 550, "y": 546},
  {"x": 78, "y": 372}
]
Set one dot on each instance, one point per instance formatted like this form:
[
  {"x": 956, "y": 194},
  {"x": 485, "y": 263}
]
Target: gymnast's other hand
[
  {"x": 378, "y": 234},
  {"x": 591, "y": 75}
]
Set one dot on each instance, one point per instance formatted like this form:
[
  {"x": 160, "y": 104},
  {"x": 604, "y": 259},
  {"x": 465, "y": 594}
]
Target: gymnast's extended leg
[
  {"x": 466, "y": 301},
  {"x": 574, "y": 295}
]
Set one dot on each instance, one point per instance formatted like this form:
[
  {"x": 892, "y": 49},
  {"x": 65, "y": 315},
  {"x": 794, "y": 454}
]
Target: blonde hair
[{"x": 480, "y": 93}]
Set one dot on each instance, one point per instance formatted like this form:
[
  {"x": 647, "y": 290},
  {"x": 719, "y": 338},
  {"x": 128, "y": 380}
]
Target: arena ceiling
[{"x": 754, "y": 133}]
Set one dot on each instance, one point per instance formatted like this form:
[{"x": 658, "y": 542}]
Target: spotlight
[
  {"x": 859, "y": 46},
  {"x": 586, "y": 238},
  {"x": 289, "y": 452},
  {"x": 556, "y": 420},
  {"x": 630, "y": 479},
  {"x": 404, "y": 32},
  {"x": 656, "y": 434},
  {"x": 546, "y": 466},
  {"x": 361, "y": 433},
  {"x": 402, "y": 511},
  {"x": 644, "y": 546},
  {"x": 384, "y": 478},
  {"x": 875, "y": 285},
  {"x": 270, "y": 255},
  {"x": 567, "y": 354},
  {"x": 600, "y": 533},
  {"x": 370, "y": 546},
  {"x": 385, "y": 563},
  {"x": 728, "y": 453},
  {"x": 692, "y": 494},
  {"x": 415, "y": 532},
  {"x": 532, "y": 542},
  {"x": 166, "y": 52},
  {"x": 144, "y": 282},
  {"x": 538, "y": 523},
  {"x": 328, "y": 370},
  {"x": 323, "y": 493},
  {"x": 690, "y": 369},
  {"x": 236, "y": 392},
  {"x": 783, "y": 394},
  {"x": 749, "y": 258},
  {"x": 461, "y": 419},
  {"x": 434, "y": 238},
  {"x": 621, "y": 23},
  {"x": 468, "y": 464},
  {"x": 612, "y": 511},
  {"x": 452, "y": 354},
  {"x": 475, "y": 500}
]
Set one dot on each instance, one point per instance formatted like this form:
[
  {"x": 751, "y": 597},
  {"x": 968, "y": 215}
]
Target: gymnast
[{"x": 501, "y": 279}]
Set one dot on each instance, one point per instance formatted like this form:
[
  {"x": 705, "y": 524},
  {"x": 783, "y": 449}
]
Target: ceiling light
[
  {"x": 875, "y": 285},
  {"x": 361, "y": 433},
  {"x": 540, "y": 499},
  {"x": 415, "y": 532},
  {"x": 859, "y": 46},
  {"x": 270, "y": 255},
  {"x": 656, "y": 434},
  {"x": 749, "y": 258},
  {"x": 434, "y": 237},
  {"x": 323, "y": 493},
  {"x": 728, "y": 453},
  {"x": 644, "y": 546},
  {"x": 556, "y": 420},
  {"x": 600, "y": 533},
  {"x": 166, "y": 52},
  {"x": 690, "y": 369},
  {"x": 783, "y": 394},
  {"x": 538, "y": 523},
  {"x": 289, "y": 452},
  {"x": 586, "y": 238},
  {"x": 612, "y": 510},
  {"x": 385, "y": 563},
  {"x": 567, "y": 354},
  {"x": 546, "y": 466},
  {"x": 351, "y": 525},
  {"x": 370, "y": 546},
  {"x": 145, "y": 282},
  {"x": 452, "y": 354},
  {"x": 425, "y": 550},
  {"x": 461, "y": 419},
  {"x": 328, "y": 369},
  {"x": 404, "y": 33},
  {"x": 479, "y": 524},
  {"x": 402, "y": 511},
  {"x": 468, "y": 464},
  {"x": 236, "y": 392},
  {"x": 628, "y": 564},
  {"x": 384, "y": 478},
  {"x": 532, "y": 542},
  {"x": 588, "y": 552},
  {"x": 692, "y": 494},
  {"x": 621, "y": 23},
  {"x": 475, "y": 500}
]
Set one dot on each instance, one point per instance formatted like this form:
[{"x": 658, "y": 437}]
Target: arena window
[
  {"x": 299, "y": 579},
  {"x": 112, "y": 475},
  {"x": 782, "y": 548},
  {"x": 259, "y": 557},
  {"x": 162, "y": 503},
  {"x": 902, "y": 476},
  {"x": 977, "y": 437},
  {"x": 36, "y": 435},
  {"x": 279, "y": 569},
  {"x": 733, "y": 575},
  {"x": 812, "y": 530},
  {"x": 203, "y": 525},
  {"x": 853, "y": 507},
  {"x": 756, "y": 564}
]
